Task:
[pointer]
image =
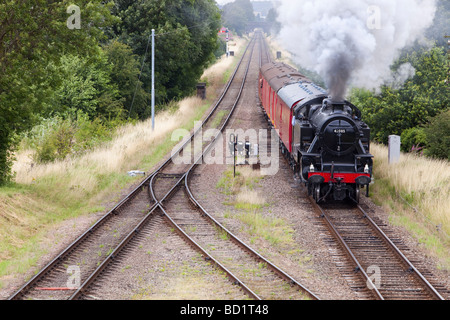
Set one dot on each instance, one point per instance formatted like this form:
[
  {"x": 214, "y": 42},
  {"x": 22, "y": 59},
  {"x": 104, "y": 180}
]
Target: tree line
[
  {"x": 236, "y": 15},
  {"x": 77, "y": 82},
  {"x": 418, "y": 111}
]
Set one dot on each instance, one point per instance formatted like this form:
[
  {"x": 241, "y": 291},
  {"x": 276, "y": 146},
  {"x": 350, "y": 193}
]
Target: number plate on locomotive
[{"x": 339, "y": 131}]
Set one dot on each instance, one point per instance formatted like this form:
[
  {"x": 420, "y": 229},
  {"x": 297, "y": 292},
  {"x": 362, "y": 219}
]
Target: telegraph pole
[
  {"x": 227, "y": 44},
  {"x": 448, "y": 61},
  {"x": 153, "y": 79}
]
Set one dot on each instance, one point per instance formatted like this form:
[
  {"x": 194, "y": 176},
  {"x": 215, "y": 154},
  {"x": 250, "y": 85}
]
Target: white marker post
[{"x": 394, "y": 149}]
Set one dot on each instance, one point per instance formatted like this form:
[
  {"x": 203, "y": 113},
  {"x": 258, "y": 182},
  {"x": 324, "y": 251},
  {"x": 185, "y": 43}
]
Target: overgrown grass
[
  {"x": 249, "y": 202},
  {"x": 416, "y": 193},
  {"x": 46, "y": 194},
  {"x": 245, "y": 177},
  {"x": 218, "y": 118},
  {"x": 275, "y": 230},
  {"x": 57, "y": 137}
]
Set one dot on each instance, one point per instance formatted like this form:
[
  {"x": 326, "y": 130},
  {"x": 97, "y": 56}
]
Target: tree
[
  {"x": 86, "y": 85},
  {"x": 236, "y": 15},
  {"x": 186, "y": 38},
  {"x": 33, "y": 35},
  {"x": 272, "y": 19},
  {"x": 438, "y": 137},
  {"x": 395, "y": 110},
  {"x": 125, "y": 74}
]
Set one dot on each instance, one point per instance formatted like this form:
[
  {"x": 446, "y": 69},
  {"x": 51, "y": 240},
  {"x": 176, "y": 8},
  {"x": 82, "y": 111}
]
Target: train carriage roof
[
  {"x": 279, "y": 74},
  {"x": 293, "y": 93},
  {"x": 290, "y": 85}
]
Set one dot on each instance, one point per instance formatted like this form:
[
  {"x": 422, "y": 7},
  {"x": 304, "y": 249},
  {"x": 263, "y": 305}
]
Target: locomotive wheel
[
  {"x": 357, "y": 193},
  {"x": 317, "y": 193}
]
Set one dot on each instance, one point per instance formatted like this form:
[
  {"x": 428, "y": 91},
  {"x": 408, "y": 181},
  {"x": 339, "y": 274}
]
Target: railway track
[
  {"x": 377, "y": 268},
  {"x": 157, "y": 256},
  {"x": 205, "y": 235},
  {"x": 128, "y": 220},
  {"x": 89, "y": 250},
  {"x": 265, "y": 56}
]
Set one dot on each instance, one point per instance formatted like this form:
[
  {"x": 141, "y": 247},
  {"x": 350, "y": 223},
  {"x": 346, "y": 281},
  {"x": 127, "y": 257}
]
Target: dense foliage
[
  {"x": 54, "y": 71},
  {"x": 437, "y": 133},
  {"x": 33, "y": 36},
  {"x": 407, "y": 111},
  {"x": 57, "y": 137},
  {"x": 186, "y": 38},
  {"x": 237, "y": 14}
]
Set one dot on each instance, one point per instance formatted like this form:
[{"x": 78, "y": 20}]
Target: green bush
[
  {"x": 56, "y": 138},
  {"x": 6, "y": 157},
  {"x": 413, "y": 139},
  {"x": 89, "y": 134},
  {"x": 438, "y": 136},
  {"x": 57, "y": 143}
]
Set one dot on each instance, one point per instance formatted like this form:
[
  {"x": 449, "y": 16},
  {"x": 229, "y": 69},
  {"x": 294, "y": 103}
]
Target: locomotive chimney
[
  {"x": 335, "y": 101},
  {"x": 335, "y": 104}
]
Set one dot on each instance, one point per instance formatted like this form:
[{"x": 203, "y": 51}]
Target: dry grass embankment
[
  {"x": 416, "y": 193},
  {"x": 275, "y": 47}
]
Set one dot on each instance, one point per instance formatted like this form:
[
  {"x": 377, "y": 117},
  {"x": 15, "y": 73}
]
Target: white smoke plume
[
  {"x": 352, "y": 41},
  {"x": 403, "y": 73}
]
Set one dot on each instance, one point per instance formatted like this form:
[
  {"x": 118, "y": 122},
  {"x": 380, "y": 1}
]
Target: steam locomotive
[{"x": 325, "y": 141}]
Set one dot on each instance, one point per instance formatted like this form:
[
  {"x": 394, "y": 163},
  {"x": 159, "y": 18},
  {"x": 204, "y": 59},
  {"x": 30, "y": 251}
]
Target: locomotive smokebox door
[{"x": 201, "y": 90}]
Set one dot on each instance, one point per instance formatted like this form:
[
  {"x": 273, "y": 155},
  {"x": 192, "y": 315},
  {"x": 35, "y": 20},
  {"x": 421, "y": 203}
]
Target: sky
[{"x": 222, "y": 2}]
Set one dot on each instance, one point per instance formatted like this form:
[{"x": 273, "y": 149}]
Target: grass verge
[{"x": 243, "y": 196}]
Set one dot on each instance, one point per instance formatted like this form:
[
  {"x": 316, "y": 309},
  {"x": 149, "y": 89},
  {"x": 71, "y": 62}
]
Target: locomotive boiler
[{"x": 325, "y": 140}]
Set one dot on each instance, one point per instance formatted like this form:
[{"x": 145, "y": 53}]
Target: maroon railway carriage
[{"x": 325, "y": 141}]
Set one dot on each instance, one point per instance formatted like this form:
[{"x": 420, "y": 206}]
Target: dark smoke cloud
[{"x": 352, "y": 41}]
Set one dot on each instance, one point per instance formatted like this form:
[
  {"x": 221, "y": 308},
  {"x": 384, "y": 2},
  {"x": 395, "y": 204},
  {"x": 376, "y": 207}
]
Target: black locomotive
[{"x": 325, "y": 140}]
